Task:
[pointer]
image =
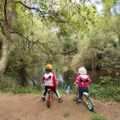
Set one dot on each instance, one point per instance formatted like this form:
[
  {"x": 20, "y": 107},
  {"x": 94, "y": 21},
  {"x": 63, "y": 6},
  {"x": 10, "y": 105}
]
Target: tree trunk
[{"x": 6, "y": 35}]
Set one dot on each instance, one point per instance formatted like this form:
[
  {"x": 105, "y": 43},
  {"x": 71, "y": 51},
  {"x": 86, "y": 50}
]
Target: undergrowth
[{"x": 95, "y": 90}]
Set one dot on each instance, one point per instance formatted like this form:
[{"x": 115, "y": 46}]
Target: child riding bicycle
[
  {"x": 50, "y": 81},
  {"x": 82, "y": 81}
]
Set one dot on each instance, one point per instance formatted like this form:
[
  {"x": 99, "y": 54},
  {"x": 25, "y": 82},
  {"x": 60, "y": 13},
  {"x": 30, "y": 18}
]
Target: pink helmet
[{"x": 82, "y": 70}]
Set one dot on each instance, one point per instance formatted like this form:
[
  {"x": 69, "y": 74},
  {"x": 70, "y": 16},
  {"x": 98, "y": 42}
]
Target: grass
[
  {"x": 96, "y": 91},
  {"x": 66, "y": 114},
  {"x": 98, "y": 118},
  {"x": 19, "y": 90}
]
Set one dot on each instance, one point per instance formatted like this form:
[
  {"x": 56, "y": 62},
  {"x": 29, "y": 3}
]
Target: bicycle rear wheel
[
  {"x": 48, "y": 102},
  {"x": 89, "y": 104}
]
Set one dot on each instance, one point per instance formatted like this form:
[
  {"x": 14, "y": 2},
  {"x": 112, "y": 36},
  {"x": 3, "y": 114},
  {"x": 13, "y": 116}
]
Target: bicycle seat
[
  {"x": 85, "y": 93},
  {"x": 48, "y": 89}
]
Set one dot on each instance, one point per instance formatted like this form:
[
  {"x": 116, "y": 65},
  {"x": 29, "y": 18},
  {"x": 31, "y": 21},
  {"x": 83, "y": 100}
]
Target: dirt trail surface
[{"x": 30, "y": 107}]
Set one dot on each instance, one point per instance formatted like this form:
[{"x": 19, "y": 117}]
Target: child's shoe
[
  {"x": 43, "y": 98},
  {"x": 78, "y": 101},
  {"x": 60, "y": 100}
]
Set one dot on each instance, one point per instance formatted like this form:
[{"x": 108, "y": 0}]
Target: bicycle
[
  {"x": 87, "y": 100},
  {"x": 49, "y": 97}
]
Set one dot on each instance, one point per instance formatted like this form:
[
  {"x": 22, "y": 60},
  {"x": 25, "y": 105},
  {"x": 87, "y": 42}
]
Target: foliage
[
  {"x": 69, "y": 77},
  {"x": 74, "y": 90},
  {"x": 8, "y": 81},
  {"x": 108, "y": 92},
  {"x": 105, "y": 80}
]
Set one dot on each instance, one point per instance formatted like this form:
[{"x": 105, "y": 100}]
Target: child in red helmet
[
  {"x": 82, "y": 80},
  {"x": 50, "y": 81}
]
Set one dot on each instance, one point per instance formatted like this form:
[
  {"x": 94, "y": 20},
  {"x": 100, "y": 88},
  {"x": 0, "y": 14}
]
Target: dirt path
[{"x": 30, "y": 107}]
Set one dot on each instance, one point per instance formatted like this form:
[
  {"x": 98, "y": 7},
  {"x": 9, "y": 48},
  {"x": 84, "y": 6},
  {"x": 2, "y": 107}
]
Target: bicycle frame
[
  {"x": 85, "y": 96},
  {"x": 49, "y": 97}
]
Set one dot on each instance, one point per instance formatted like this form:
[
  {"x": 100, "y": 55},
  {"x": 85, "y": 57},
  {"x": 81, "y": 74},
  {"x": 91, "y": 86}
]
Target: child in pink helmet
[{"x": 82, "y": 80}]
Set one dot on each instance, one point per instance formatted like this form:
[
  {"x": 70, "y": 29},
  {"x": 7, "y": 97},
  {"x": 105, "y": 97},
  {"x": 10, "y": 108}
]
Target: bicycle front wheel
[{"x": 89, "y": 104}]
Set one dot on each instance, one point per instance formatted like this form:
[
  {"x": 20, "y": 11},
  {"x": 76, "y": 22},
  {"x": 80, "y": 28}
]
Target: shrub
[{"x": 108, "y": 92}]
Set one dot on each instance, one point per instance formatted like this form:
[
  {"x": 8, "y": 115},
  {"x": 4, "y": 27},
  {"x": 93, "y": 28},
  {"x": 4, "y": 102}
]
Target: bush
[
  {"x": 109, "y": 92},
  {"x": 117, "y": 98},
  {"x": 74, "y": 89},
  {"x": 105, "y": 80}
]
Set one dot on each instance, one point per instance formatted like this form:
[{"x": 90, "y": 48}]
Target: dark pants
[
  {"x": 53, "y": 89},
  {"x": 81, "y": 90}
]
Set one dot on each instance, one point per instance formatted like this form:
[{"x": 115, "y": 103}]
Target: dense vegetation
[{"x": 65, "y": 33}]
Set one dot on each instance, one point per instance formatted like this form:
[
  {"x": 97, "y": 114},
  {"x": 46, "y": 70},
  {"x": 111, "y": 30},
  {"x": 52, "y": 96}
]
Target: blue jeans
[{"x": 81, "y": 90}]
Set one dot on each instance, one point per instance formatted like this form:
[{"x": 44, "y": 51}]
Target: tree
[
  {"x": 9, "y": 10},
  {"x": 5, "y": 24}
]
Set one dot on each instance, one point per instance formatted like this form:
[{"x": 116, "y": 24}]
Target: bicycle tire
[
  {"x": 48, "y": 102},
  {"x": 89, "y": 104},
  {"x": 51, "y": 97}
]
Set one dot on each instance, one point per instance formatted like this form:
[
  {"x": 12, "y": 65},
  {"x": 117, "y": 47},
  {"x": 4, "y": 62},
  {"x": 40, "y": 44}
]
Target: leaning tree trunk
[{"x": 6, "y": 35}]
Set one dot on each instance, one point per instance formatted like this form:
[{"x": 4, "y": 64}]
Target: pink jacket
[{"x": 82, "y": 80}]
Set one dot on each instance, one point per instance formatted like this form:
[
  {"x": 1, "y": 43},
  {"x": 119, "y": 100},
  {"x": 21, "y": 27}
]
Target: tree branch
[
  {"x": 50, "y": 14},
  {"x": 34, "y": 42},
  {"x": 20, "y": 34},
  {"x": 5, "y": 2},
  {"x": 31, "y": 43},
  {"x": 30, "y": 8}
]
